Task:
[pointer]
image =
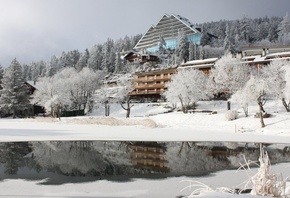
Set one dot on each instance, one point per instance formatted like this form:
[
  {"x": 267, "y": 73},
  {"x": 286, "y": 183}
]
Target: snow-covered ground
[{"x": 147, "y": 123}]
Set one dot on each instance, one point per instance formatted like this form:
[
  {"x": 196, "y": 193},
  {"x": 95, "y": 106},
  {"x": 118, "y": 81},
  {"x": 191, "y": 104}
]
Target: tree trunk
[
  {"x": 128, "y": 109},
  {"x": 261, "y": 110},
  {"x": 287, "y": 106},
  {"x": 228, "y": 105},
  {"x": 128, "y": 112},
  {"x": 182, "y": 105}
]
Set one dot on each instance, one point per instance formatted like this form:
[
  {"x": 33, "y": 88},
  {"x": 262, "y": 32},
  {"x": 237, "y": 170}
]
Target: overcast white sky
[{"x": 33, "y": 30}]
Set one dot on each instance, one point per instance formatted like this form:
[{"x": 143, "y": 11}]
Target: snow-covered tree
[
  {"x": 84, "y": 85},
  {"x": 187, "y": 87},
  {"x": 181, "y": 50},
  {"x": 245, "y": 28},
  {"x": 275, "y": 75},
  {"x": 126, "y": 87},
  {"x": 68, "y": 90},
  {"x": 83, "y": 60},
  {"x": 1, "y": 76},
  {"x": 162, "y": 44},
  {"x": 95, "y": 60},
  {"x": 228, "y": 44},
  {"x": 284, "y": 30},
  {"x": 256, "y": 89},
  {"x": 286, "y": 90},
  {"x": 192, "y": 51},
  {"x": 14, "y": 95},
  {"x": 228, "y": 76},
  {"x": 52, "y": 66}
]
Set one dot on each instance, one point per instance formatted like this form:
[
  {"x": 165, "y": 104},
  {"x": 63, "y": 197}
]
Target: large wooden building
[{"x": 148, "y": 86}]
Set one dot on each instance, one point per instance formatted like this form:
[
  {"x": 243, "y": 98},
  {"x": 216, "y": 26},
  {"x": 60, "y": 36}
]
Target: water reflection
[{"x": 96, "y": 160}]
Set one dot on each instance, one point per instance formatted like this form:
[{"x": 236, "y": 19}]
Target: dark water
[{"x": 60, "y": 162}]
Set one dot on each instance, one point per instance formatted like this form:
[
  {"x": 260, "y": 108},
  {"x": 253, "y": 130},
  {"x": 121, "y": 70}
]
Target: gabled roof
[
  {"x": 34, "y": 84},
  {"x": 168, "y": 27}
]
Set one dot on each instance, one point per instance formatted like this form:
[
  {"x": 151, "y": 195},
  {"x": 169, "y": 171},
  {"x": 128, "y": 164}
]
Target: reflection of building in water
[
  {"x": 149, "y": 156},
  {"x": 222, "y": 153}
]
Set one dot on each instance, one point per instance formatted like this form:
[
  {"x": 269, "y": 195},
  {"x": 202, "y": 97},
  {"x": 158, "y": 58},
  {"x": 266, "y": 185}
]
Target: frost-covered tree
[
  {"x": 125, "y": 87},
  {"x": 96, "y": 57},
  {"x": 84, "y": 85},
  {"x": 181, "y": 50},
  {"x": 187, "y": 87},
  {"x": 244, "y": 28},
  {"x": 275, "y": 75},
  {"x": 256, "y": 89},
  {"x": 14, "y": 95},
  {"x": 286, "y": 90},
  {"x": 284, "y": 30},
  {"x": 105, "y": 96},
  {"x": 161, "y": 44},
  {"x": 68, "y": 90},
  {"x": 228, "y": 76},
  {"x": 83, "y": 60},
  {"x": 228, "y": 44},
  {"x": 192, "y": 51},
  {"x": 1, "y": 76}
]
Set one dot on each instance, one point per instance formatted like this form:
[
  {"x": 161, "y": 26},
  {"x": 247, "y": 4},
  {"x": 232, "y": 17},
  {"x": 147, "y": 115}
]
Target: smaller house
[
  {"x": 203, "y": 65},
  {"x": 259, "y": 61},
  {"x": 32, "y": 86},
  {"x": 137, "y": 57}
]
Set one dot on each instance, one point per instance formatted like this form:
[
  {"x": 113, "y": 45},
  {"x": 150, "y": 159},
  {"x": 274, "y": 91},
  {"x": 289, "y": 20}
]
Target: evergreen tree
[
  {"x": 192, "y": 51},
  {"x": 14, "y": 95},
  {"x": 244, "y": 28},
  {"x": 182, "y": 47},
  {"x": 1, "y": 76},
  {"x": 162, "y": 45},
  {"x": 52, "y": 66},
  {"x": 83, "y": 60}
]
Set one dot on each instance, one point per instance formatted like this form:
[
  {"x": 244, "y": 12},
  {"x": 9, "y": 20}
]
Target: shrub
[{"x": 231, "y": 115}]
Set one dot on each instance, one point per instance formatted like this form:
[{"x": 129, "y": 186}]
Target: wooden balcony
[
  {"x": 150, "y": 86},
  {"x": 152, "y": 79},
  {"x": 145, "y": 92}
]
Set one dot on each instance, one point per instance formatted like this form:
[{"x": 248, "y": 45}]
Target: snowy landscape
[
  {"x": 187, "y": 109},
  {"x": 148, "y": 122}
]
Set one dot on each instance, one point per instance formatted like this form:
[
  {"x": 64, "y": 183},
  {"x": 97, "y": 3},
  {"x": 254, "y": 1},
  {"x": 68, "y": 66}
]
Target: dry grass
[{"x": 109, "y": 121}]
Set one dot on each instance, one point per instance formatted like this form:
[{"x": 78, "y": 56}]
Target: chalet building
[
  {"x": 148, "y": 86},
  {"x": 136, "y": 57},
  {"x": 261, "y": 56},
  {"x": 32, "y": 86},
  {"x": 204, "y": 65},
  {"x": 167, "y": 28},
  {"x": 263, "y": 50}
]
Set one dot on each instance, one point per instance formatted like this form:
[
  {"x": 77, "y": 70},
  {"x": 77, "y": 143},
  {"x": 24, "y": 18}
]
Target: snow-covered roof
[
  {"x": 273, "y": 55},
  {"x": 34, "y": 84},
  {"x": 205, "y": 63},
  {"x": 251, "y": 57}
]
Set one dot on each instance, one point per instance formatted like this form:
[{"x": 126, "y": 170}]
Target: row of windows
[{"x": 172, "y": 43}]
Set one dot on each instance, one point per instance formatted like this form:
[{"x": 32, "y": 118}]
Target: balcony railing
[
  {"x": 145, "y": 92},
  {"x": 152, "y": 79},
  {"x": 159, "y": 85}
]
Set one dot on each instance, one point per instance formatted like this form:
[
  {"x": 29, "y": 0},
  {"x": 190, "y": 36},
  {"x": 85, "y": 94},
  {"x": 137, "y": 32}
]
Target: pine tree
[
  {"x": 1, "y": 76},
  {"x": 162, "y": 45},
  {"x": 14, "y": 95},
  {"x": 83, "y": 61},
  {"x": 182, "y": 47}
]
